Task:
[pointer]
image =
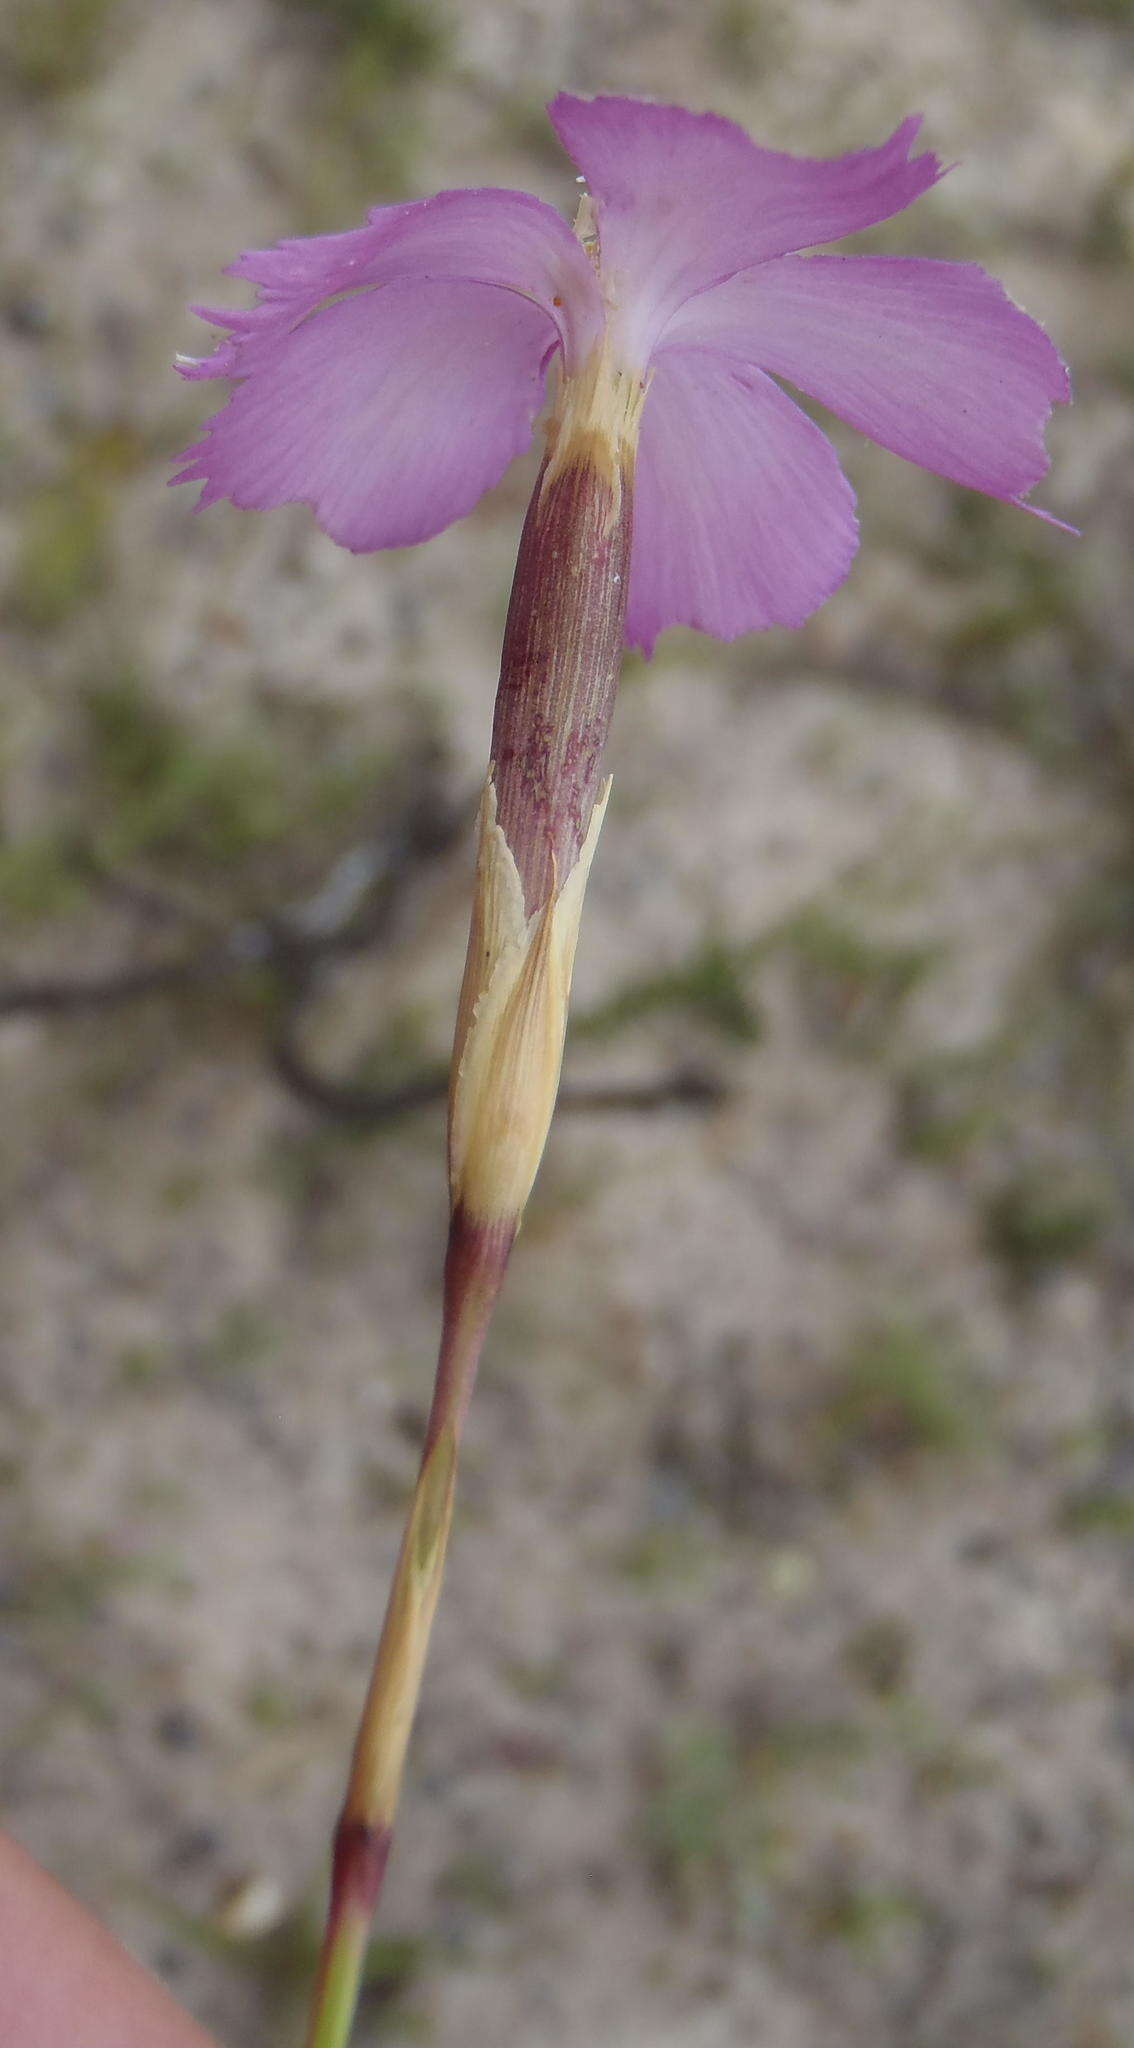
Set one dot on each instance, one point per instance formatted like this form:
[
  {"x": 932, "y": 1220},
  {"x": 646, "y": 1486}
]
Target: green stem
[{"x": 336, "y": 1991}]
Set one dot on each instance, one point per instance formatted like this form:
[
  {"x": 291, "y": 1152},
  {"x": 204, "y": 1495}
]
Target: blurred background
[{"x": 783, "y": 1689}]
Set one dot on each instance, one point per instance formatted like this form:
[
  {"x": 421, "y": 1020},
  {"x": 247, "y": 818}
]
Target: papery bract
[{"x": 389, "y": 375}]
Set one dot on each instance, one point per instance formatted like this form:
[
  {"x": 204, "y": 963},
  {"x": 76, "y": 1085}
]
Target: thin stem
[{"x": 474, "y": 1269}]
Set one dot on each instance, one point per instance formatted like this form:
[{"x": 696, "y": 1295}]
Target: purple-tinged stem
[
  {"x": 474, "y": 1268},
  {"x": 541, "y": 813}
]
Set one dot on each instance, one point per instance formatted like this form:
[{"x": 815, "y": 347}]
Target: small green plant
[
  {"x": 143, "y": 1365},
  {"x": 1046, "y": 1218},
  {"x": 475, "y": 1880},
  {"x": 51, "y": 1587},
  {"x": 226, "y": 812},
  {"x": 49, "y": 47},
  {"x": 707, "y": 1831},
  {"x": 63, "y": 553},
  {"x": 712, "y": 1826},
  {"x": 860, "y": 1915},
  {"x": 271, "y": 1706},
  {"x": 944, "y": 1105},
  {"x": 851, "y": 986},
  {"x": 901, "y": 1395},
  {"x": 166, "y": 791},
  {"x": 397, "y": 39},
  {"x": 878, "y": 1654},
  {"x": 39, "y": 877},
  {"x": 1098, "y": 1511},
  {"x": 241, "y": 1339},
  {"x": 710, "y": 983},
  {"x": 743, "y": 36}
]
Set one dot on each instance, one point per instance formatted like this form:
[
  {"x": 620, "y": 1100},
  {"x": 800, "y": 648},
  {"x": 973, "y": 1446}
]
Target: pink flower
[{"x": 388, "y": 376}]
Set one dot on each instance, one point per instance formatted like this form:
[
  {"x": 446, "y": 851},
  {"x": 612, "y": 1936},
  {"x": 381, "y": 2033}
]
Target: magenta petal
[
  {"x": 686, "y": 199},
  {"x": 931, "y": 359},
  {"x": 389, "y": 413},
  {"x": 742, "y": 516},
  {"x": 488, "y": 236}
]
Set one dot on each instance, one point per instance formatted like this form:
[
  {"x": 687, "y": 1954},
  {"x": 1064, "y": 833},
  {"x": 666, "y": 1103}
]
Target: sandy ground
[{"x": 783, "y": 1689}]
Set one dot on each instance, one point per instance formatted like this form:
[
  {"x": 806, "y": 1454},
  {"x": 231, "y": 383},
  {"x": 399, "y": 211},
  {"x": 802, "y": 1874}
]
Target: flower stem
[
  {"x": 474, "y": 1270},
  {"x": 539, "y": 821}
]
